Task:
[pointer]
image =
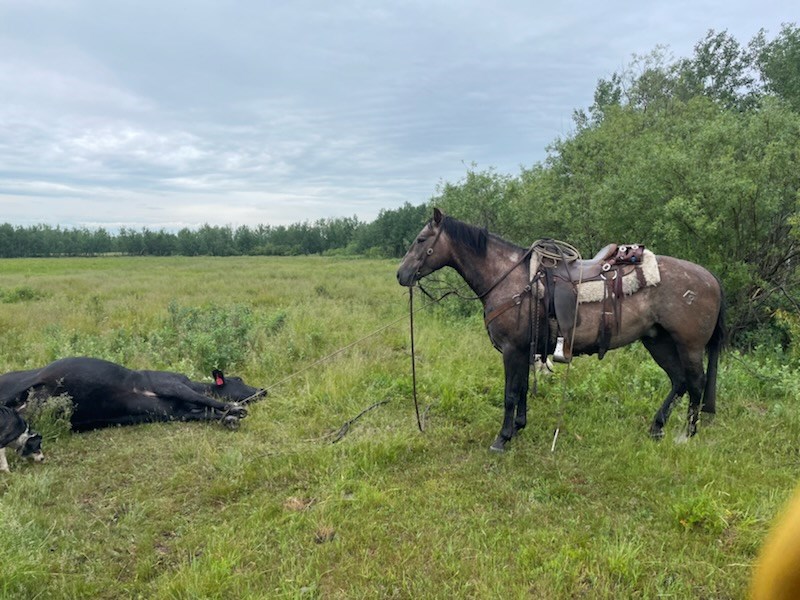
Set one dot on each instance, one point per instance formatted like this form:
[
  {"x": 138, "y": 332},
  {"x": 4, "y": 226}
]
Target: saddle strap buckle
[{"x": 614, "y": 275}]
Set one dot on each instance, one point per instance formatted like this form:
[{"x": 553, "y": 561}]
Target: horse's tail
[{"x": 714, "y": 348}]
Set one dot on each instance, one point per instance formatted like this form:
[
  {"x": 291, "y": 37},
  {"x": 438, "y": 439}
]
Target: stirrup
[{"x": 558, "y": 354}]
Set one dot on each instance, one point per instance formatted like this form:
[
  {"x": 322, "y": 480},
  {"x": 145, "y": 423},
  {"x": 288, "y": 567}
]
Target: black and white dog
[{"x": 15, "y": 434}]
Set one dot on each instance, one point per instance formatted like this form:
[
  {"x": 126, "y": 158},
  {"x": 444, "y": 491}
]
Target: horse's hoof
[
  {"x": 499, "y": 445},
  {"x": 656, "y": 434}
]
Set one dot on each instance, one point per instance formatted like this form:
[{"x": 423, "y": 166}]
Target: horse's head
[{"x": 427, "y": 253}]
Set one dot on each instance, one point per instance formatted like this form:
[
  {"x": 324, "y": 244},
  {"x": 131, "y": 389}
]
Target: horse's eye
[{"x": 420, "y": 240}]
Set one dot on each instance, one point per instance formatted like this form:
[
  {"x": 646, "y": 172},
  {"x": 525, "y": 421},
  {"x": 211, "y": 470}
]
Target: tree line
[{"x": 337, "y": 235}]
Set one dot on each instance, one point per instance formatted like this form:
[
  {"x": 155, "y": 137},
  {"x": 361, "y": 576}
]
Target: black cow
[
  {"x": 15, "y": 434},
  {"x": 104, "y": 393}
]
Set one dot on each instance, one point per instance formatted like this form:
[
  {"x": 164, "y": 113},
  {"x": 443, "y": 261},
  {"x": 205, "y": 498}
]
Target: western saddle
[{"x": 560, "y": 271}]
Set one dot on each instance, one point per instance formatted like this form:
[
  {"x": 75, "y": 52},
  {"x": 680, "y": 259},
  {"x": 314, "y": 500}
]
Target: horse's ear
[{"x": 438, "y": 215}]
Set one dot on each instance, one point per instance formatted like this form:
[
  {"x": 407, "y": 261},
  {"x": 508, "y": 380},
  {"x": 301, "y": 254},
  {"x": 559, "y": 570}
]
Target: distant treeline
[{"x": 387, "y": 236}]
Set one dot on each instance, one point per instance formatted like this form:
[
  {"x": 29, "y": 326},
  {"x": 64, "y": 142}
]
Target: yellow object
[{"x": 777, "y": 572}]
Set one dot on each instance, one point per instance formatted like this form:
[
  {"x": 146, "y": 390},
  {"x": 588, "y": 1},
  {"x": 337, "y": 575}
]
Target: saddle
[{"x": 568, "y": 281}]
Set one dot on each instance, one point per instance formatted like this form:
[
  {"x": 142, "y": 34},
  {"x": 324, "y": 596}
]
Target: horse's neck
[{"x": 481, "y": 273}]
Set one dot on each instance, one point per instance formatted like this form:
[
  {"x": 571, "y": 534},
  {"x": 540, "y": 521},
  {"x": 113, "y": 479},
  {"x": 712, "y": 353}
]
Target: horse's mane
[{"x": 469, "y": 235}]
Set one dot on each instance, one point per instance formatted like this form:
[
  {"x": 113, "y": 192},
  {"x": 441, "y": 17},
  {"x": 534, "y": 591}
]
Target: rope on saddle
[{"x": 555, "y": 250}]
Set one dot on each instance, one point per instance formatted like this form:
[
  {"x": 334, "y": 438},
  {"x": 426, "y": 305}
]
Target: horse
[{"x": 679, "y": 320}]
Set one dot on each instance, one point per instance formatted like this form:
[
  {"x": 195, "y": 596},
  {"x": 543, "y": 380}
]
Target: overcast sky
[{"x": 176, "y": 113}]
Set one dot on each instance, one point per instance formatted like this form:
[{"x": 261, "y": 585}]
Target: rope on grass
[
  {"x": 343, "y": 349},
  {"x": 346, "y": 427}
]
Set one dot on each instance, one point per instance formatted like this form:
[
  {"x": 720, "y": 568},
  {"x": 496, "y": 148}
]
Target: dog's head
[{"x": 30, "y": 446}]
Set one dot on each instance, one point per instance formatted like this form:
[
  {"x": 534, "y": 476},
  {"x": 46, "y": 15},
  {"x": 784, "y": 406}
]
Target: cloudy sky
[{"x": 175, "y": 113}]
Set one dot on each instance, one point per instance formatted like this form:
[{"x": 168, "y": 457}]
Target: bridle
[
  {"x": 429, "y": 250},
  {"x": 498, "y": 281}
]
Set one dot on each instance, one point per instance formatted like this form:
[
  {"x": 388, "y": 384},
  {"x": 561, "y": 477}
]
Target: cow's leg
[
  {"x": 143, "y": 408},
  {"x": 3, "y": 461},
  {"x": 179, "y": 391},
  {"x": 517, "y": 369}
]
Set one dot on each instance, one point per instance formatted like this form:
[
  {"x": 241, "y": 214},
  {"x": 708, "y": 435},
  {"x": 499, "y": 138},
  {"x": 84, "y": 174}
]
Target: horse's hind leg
[
  {"x": 695, "y": 382},
  {"x": 662, "y": 415},
  {"x": 662, "y": 349}
]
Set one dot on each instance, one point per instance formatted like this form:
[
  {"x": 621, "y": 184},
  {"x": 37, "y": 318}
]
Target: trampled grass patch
[{"x": 275, "y": 510}]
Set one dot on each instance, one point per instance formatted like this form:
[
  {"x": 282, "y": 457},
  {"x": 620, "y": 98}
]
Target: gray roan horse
[{"x": 677, "y": 320}]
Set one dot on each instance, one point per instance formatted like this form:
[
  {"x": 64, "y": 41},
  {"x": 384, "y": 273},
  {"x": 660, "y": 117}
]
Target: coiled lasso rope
[{"x": 555, "y": 250}]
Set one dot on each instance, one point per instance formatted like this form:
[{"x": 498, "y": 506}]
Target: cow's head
[
  {"x": 233, "y": 389},
  {"x": 30, "y": 446}
]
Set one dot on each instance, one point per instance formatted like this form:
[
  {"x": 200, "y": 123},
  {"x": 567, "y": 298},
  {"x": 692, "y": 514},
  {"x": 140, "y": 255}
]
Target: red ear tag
[{"x": 220, "y": 380}]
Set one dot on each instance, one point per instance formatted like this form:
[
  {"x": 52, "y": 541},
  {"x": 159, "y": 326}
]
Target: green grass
[{"x": 274, "y": 510}]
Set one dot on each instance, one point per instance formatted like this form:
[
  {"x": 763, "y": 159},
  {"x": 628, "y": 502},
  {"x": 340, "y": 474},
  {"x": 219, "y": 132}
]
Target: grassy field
[{"x": 275, "y": 510}]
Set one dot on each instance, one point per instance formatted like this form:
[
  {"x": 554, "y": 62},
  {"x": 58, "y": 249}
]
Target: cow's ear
[{"x": 219, "y": 377}]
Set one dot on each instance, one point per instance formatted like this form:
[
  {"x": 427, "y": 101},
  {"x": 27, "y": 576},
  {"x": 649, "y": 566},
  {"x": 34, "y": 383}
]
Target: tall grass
[{"x": 274, "y": 510}]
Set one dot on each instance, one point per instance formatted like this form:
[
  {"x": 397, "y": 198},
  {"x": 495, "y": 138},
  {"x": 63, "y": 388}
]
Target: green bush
[{"x": 50, "y": 416}]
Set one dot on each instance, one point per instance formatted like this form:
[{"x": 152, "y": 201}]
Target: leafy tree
[
  {"x": 779, "y": 64},
  {"x": 721, "y": 69}
]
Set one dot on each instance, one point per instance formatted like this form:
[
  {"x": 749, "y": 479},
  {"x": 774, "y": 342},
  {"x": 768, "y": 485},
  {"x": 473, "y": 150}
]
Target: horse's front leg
[{"x": 517, "y": 369}]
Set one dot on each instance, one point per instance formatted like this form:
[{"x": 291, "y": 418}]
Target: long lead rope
[{"x": 413, "y": 355}]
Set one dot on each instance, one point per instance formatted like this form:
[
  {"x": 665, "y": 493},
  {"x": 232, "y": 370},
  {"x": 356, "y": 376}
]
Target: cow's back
[
  {"x": 94, "y": 385},
  {"x": 92, "y": 371}
]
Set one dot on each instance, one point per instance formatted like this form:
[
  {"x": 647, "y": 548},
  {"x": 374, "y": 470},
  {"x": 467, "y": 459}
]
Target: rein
[{"x": 413, "y": 355}]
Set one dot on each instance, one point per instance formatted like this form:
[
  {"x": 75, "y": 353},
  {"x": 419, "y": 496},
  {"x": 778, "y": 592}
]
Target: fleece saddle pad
[{"x": 594, "y": 290}]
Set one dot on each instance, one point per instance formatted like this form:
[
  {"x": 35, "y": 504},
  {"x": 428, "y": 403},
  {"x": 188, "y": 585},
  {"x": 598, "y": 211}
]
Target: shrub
[{"x": 50, "y": 416}]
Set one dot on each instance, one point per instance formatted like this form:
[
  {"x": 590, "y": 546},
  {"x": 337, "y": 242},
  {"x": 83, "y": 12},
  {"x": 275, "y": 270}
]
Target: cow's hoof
[
  {"x": 230, "y": 422},
  {"x": 234, "y": 410}
]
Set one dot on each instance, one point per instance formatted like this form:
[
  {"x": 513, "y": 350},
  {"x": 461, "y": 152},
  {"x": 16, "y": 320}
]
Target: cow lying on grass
[
  {"x": 104, "y": 394},
  {"x": 15, "y": 434}
]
